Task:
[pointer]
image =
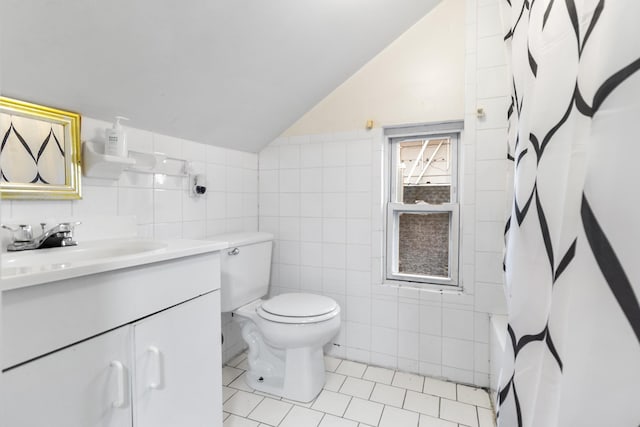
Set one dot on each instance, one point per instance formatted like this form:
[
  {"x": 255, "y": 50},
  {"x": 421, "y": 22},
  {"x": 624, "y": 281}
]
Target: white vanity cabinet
[
  {"x": 177, "y": 374},
  {"x": 136, "y": 347},
  {"x": 81, "y": 386}
]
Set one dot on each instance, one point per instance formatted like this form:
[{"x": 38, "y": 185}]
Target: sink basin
[
  {"x": 72, "y": 255},
  {"x": 39, "y": 265},
  {"x": 107, "y": 244}
]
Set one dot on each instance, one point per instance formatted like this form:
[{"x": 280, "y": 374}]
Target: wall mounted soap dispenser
[{"x": 116, "y": 144}]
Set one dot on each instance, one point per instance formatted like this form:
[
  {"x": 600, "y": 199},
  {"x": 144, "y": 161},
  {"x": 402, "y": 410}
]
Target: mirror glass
[{"x": 39, "y": 151}]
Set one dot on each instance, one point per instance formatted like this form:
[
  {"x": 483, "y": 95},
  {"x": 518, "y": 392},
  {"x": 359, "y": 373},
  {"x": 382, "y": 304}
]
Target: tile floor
[{"x": 357, "y": 395}]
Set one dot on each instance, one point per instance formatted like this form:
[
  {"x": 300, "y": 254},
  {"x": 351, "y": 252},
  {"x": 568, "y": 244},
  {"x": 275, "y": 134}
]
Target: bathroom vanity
[{"x": 112, "y": 337}]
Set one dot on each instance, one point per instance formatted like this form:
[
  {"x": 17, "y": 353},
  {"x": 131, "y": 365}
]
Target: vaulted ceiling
[{"x": 233, "y": 73}]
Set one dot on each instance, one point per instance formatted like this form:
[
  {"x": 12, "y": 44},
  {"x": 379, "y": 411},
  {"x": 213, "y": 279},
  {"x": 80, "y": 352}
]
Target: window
[{"x": 422, "y": 205}]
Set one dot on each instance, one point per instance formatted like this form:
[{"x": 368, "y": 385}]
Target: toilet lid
[{"x": 299, "y": 305}]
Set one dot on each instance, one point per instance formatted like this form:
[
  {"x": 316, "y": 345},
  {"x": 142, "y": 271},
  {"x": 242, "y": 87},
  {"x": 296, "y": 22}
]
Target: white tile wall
[
  {"x": 163, "y": 206},
  {"x": 337, "y": 205},
  {"x": 314, "y": 186}
]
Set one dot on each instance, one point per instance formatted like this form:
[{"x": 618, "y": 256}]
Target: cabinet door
[
  {"x": 85, "y": 385},
  {"x": 178, "y": 366}
]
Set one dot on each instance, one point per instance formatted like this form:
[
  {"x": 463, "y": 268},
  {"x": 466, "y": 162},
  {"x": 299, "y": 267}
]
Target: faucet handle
[
  {"x": 22, "y": 233},
  {"x": 66, "y": 229},
  {"x": 69, "y": 226}
]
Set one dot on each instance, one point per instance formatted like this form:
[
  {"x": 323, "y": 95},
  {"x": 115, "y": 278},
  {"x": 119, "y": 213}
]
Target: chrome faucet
[{"x": 57, "y": 236}]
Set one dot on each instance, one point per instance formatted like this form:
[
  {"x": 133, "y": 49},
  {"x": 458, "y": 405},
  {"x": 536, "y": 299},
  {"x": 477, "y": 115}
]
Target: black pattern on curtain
[{"x": 572, "y": 236}]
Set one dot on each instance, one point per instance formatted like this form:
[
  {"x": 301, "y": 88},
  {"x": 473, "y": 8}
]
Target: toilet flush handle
[{"x": 234, "y": 251}]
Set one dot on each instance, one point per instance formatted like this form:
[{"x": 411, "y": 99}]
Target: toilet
[{"x": 285, "y": 334}]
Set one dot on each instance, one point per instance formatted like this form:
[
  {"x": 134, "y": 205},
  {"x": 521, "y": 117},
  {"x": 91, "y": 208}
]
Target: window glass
[{"x": 423, "y": 244}]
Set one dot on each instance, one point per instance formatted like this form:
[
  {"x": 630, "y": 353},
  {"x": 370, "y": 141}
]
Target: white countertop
[{"x": 35, "y": 267}]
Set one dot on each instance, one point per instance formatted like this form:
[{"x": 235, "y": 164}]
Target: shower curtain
[{"x": 572, "y": 260}]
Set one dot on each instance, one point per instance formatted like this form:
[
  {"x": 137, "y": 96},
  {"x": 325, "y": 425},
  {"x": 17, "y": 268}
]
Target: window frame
[{"x": 394, "y": 136}]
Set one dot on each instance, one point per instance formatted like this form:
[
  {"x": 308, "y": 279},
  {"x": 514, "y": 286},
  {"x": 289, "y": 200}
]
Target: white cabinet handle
[
  {"x": 155, "y": 352},
  {"x": 119, "y": 402}
]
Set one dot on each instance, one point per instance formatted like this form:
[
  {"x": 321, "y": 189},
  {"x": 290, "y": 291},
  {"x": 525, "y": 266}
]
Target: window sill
[{"x": 424, "y": 287}]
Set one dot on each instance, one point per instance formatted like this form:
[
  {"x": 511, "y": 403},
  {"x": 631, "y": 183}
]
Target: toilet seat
[{"x": 298, "y": 308}]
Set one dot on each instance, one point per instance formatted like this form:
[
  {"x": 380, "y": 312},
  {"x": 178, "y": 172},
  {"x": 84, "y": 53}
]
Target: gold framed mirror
[{"x": 39, "y": 151}]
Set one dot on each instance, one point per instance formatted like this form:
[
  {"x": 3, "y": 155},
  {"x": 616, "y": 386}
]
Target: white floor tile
[
  {"x": 227, "y": 393},
  {"x": 427, "y": 421},
  {"x": 440, "y": 388},
  {"x": 388, "y": 395},
  {"x": 270, "y": 411},
  {"x": 235, "y": 421},
  {"x": 459, "y": 412},
  {"x": 242, "y": 403},
  {"x": 486, "y": 417},
  {"x": 394, "y": 417},
  {"x": 331, "y": 421},
  {"x": 303, "y": 404},
  {"x": 357, "y": 387},
  {"x": 408, "y": 381},
  {"x": 364, "y": 411},
  {"x": 357, "y": 395},
  {"x": 352, "y": 369},
  {"x": 379, "y": 375},
  {"x": 423, "y": 403},
  {"x": 331, "y": 363},
  {"x": 237, "y": 360},
  {"x": 243, "y": 365},
  {"x": 473, "y": 396},
  {"x": 299, "y": 417},
  {"x": 333, "y": 381},
  {"x": 272, "y": 396},
  {"x": 241, "y": 384},
  {"x": 332, "y": 403},
  {"x": 229, "y": 374}
]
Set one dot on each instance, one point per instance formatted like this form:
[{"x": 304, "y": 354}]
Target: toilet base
[
  {"x": 295, "y": 374},
  {"x": 293, "y": 385}
]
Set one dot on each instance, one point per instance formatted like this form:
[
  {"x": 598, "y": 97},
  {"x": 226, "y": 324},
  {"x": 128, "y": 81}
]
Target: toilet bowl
[
  {"x": 285, "y": 334},
  {"x": 286, "y": 352}
]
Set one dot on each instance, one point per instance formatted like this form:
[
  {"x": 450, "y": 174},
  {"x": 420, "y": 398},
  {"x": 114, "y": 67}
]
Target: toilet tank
[{"x": 245, "y": 268}]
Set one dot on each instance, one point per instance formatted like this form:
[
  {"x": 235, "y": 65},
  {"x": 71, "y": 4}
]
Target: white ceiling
[{"x": 233, "y": 73}]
